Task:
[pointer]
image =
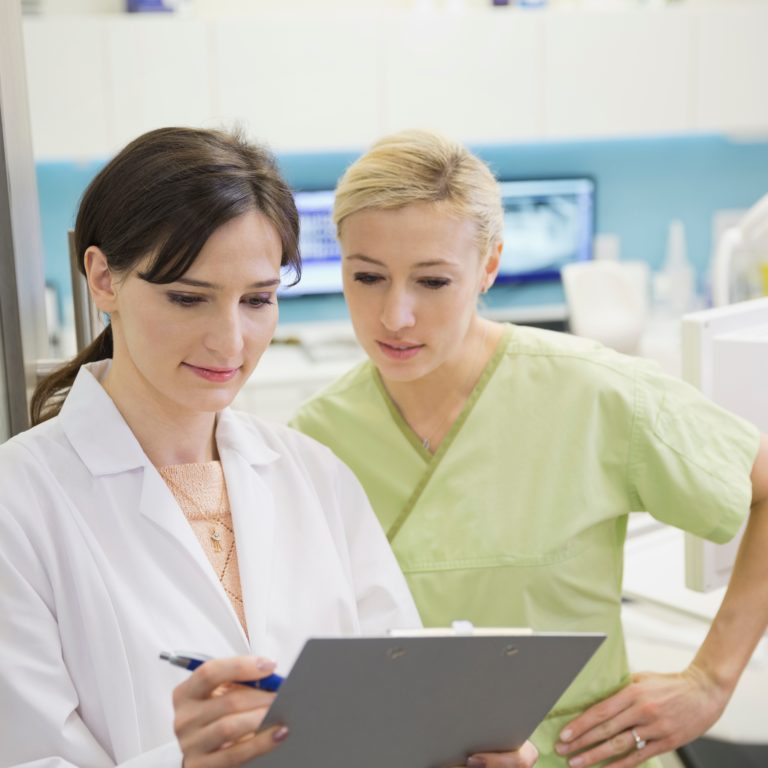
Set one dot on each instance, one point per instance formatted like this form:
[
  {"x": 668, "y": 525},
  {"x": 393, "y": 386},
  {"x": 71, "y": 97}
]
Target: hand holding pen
[
  {"x": 192, "y": 661},
  {"x": 216, "y": 721}
]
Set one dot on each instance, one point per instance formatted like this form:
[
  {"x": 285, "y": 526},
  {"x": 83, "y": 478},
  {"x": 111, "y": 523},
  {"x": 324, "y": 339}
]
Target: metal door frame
[{"x": 22, "y": 282}]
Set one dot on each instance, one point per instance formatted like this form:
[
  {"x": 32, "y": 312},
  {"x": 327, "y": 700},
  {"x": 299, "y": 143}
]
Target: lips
[
  {"x": 400, "y": 350},
  {"x": 213, "y": 374}
]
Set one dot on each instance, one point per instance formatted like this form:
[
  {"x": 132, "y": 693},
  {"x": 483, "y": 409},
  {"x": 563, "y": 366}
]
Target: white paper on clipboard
[{"x": 422, "y": 701}]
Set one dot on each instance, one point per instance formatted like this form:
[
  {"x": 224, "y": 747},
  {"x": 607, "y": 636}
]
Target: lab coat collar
[
  {"x": 238, "y": 435},
  {"x": 95, "y": 428},
  {"x": 106, "y": 444}
]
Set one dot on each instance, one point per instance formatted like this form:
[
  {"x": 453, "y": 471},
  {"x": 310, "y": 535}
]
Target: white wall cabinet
[
  {"x": 160, "y": 74},
  {"x": 731, "y": 65},
  {"x": 622, "y": 73},
  {"x": 307, "y": 82},
  {"x": 69, "y": 87},
  {"x": 317, "y": 81},
  {"x": 477, "y": 77}
]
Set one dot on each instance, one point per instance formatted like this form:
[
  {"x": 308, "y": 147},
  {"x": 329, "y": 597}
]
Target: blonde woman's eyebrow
[
  {"x": 216, "y": 287},
  {"x": 417, "y": 265},
  {"x": 366, "y": 259}
]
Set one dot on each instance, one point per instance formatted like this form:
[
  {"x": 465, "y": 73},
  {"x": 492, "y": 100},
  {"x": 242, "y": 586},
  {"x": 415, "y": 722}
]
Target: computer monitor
[
  {"x": 547, "y": 223},
  {"x": 725, "y": 355},
  {"x": 320, "y": 254}
]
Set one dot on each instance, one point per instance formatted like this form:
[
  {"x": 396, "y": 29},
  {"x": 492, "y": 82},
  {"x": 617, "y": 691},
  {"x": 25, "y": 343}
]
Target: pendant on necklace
[
  {"x": 425, "y": 443},
  {"x": 216, "y": 539}
]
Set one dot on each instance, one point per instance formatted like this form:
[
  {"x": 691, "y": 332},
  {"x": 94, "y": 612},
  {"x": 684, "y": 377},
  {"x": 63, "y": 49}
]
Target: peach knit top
[{"x": 201, "y": 492}]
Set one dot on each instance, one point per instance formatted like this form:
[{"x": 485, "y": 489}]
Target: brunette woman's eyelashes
[
  {"x": 184, "y": 299},
  {"x": 190, "y": 300}
]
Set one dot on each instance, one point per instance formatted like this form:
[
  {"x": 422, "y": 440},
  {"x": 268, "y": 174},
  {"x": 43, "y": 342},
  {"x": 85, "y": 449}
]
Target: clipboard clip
[{"x": 463, "y": 627}]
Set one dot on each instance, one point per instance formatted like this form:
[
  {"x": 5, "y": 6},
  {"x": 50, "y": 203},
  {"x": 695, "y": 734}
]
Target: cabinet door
[
  {"x": 622, "y": 73},
  {"x": 68, "y": 87},
  {"x": 731, "y": 87},
  {"x": 475, "y": 76},
  {"x": 307, "y": 81},
  {"x": 160, "y": 74}
]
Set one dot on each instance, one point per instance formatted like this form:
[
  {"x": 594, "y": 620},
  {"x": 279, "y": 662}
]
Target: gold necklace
[
  {"x": 214, "y": 533},
  {"x": 445, "y": 412}
]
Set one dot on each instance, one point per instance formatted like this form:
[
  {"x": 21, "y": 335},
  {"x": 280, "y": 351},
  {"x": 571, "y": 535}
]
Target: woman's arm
[
  {"x": 658, "y": 713},
  {"x": 743, "y": 615}
]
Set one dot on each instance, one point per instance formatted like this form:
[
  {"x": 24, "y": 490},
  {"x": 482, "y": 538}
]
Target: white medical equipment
[
  {"x": 725, "y": 355},
  {"x": 740, "y": 266}
]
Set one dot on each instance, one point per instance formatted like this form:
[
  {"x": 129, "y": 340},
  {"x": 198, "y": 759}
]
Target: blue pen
[{"x": 192, "y": 661}]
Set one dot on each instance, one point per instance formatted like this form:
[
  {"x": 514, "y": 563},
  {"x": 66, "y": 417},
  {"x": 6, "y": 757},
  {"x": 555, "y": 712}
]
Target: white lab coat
[{"x": 100, "y": 571}]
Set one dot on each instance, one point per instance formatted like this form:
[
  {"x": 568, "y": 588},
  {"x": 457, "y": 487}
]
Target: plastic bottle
[{"x": 674, "y": 285}]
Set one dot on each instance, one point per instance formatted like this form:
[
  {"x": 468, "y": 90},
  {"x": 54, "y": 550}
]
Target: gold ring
[{"x": 639, "y": 743}]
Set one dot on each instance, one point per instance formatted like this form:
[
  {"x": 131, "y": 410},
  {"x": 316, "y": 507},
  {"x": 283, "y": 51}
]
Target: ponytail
[{"x": 51, "y": 392}]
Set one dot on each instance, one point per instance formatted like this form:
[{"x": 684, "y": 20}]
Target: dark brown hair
[{"x": 163, "y": 196}]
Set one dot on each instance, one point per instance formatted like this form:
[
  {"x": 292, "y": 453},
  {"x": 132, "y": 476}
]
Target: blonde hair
[{"x": 423, "y": 167}]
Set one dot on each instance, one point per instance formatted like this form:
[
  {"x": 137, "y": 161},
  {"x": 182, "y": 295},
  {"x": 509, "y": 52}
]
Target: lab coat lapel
[
  {"x": 245, "y": 457},
  {"x": 158, "y": 504},
  {"x": 112, "y": 448}
]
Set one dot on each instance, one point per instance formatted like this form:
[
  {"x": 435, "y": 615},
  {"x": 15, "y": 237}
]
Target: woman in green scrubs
[{"x": 503, "y": 461}]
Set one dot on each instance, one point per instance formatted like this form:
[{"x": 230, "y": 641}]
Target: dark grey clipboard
[{"x": 419, "y": 702}]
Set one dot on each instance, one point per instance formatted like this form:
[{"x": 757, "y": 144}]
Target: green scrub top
[{"x": 519, "y": 518}]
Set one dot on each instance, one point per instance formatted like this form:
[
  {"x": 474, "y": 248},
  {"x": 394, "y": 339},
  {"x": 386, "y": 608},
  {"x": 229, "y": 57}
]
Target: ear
[
  {"x": 101, "y": 282},
  {"x": 491, "y": 266}
]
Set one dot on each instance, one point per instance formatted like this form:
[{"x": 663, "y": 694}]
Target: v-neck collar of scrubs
[
  {"x": 432, "y": 460},
  {"x": 474, "y": 396}
]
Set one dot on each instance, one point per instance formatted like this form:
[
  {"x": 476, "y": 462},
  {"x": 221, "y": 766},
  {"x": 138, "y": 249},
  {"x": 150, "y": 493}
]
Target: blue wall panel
[{"x": 641, "y": 185}]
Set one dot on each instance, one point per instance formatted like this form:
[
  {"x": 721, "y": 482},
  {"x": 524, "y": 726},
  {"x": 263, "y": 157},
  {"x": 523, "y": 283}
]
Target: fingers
[
  {"x": 654, "y": 714},
  {"x": 626, "y": 748},
  {"x": 525, "y": 757},
  {"x": 240, "y": 752},
  {"x": 210, "y": 724},
  {"x": 603, "y": 732},
  {"x": 216, "y": 720},
  {"x": 193, "y": 714},
  {"x": 596, "y": 716},
  {"x": 206, "y": 678},
  {"x": 631, "y": 758},
  {"x": 610, "y": 732}
]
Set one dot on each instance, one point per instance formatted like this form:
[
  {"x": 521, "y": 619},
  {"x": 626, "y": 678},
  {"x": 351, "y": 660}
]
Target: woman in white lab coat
[{"x": 142, "y": 515}]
